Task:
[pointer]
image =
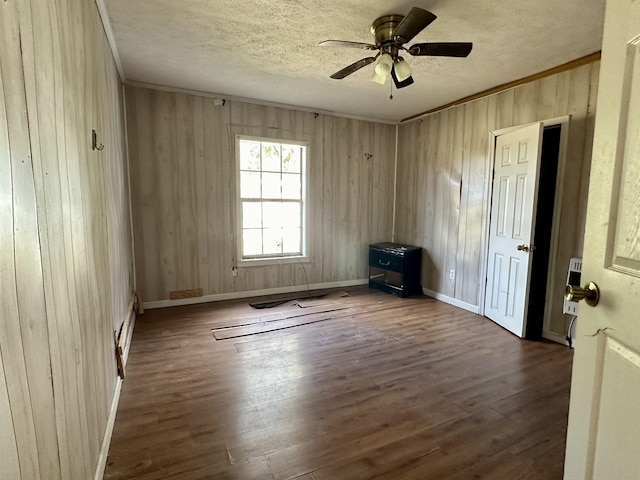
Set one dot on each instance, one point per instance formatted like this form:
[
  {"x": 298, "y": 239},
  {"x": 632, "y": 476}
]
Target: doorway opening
[
  {"x": 525, "y": 299},
  {"x": 544, "y": 224}
]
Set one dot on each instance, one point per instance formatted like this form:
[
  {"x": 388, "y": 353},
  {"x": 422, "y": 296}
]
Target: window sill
[{"x": 264, "y": 262}]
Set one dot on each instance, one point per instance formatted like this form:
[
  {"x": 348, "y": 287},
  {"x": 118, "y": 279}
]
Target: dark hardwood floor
[{"x": 387, "y": 388}]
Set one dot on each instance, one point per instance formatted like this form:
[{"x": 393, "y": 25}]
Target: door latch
[{"x": 590, "y": 293}]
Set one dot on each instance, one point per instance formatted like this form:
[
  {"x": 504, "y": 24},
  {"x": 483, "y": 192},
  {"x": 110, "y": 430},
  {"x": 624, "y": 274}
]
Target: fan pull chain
[{"x": 390, "y": 90}]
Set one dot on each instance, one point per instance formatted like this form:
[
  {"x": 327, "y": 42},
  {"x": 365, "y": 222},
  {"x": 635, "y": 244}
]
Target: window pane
[
  {"x": 290, "y": 215},
  {"x": 250, "y": 184},
  {"x": 271, "y": 185},
  {"x": 281, "y": 214},
  {"x": 291, "y": 240},
  {"x": 291, "y": 158},
  {"x": 271, "y": 157},
  {"x": 272, "y": 240},
  {"x": 251, "y": 242},
  {"x": 273, "y": 214},
  {"x": 251, "y": 215},
  {"x": 291, "y": 186},
  {"x": 249, "y": 155}
]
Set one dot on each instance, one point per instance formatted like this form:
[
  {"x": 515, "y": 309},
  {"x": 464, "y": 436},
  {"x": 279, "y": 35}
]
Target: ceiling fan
[{"x": 391, "y": 32}]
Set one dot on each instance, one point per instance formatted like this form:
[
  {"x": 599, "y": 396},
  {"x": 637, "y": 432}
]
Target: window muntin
[{"x": 272, "y": 197}]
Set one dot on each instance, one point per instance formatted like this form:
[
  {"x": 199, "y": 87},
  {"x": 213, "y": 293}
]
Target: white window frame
[{"x": 272, "y": 259}]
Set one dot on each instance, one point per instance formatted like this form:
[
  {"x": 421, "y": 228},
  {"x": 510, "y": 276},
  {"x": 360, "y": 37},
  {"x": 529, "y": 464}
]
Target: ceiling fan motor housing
[
  {"x": 391, "y": 32},
  {"x": 383, "y": 27}
]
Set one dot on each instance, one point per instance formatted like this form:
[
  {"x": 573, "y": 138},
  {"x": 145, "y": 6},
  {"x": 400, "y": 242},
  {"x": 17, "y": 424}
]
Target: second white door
[{"x": 515, "y": 188}]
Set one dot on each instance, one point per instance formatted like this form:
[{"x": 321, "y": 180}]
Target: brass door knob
[
  {"x": 590, "y": 293},
  {"x": 526, "y": 248}
]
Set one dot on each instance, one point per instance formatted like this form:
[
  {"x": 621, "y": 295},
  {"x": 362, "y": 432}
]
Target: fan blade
[
  {"x": 353, "y": 67},
  {"x": 405, "y": 83},
  {"x": 444, "y": 49},
  {"x": 342, "y": 43},
  {"x": 411, "y": 25}
]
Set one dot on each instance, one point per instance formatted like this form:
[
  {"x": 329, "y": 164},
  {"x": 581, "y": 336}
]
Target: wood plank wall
[
  {"x": 183, "y": 191},
  {"x": 65, "y": 240},
  {"x": 443, "y": 166}
]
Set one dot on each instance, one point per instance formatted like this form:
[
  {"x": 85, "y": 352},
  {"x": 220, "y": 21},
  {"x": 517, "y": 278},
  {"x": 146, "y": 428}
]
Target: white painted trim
[
  {"x": 267, "y": 261},
  {"x": 111, "y": 420},
  {"x": 545, "y": 123},
  {"x": 554, "y": 337},
  {"x": 303, "y": 256},
  {"x": 127, "y": 345},
  {"x": 108, "y": 31},
  {"x": 564, "y": 122},
  {"x": 451, "y": 301},
  {"x": 254, "y": 101},
  {"x": 106, "y": 440},
  {"x": 253, "y": 293},
  {"x": 486, "y": 220},
  {"x": 565, "y": 125}
]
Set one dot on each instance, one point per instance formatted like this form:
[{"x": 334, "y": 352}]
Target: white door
[
  {"x": 514, "y": 197},
  {"x": 603, "y": 441}
]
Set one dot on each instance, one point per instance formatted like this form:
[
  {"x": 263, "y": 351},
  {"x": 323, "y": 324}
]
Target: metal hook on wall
[{"x": 94, "y": 141}]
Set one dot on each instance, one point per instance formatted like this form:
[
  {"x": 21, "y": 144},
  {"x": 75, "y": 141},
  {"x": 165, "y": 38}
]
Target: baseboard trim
[
  {"x": 123, "y": 339},
  {"x": 252, "y": 293},
  {"x": 451, "y": 301},
  {"x": 106, "y": 440},
  {"x": 132, "y": 325},
  {"x": 554, "y": 337}
]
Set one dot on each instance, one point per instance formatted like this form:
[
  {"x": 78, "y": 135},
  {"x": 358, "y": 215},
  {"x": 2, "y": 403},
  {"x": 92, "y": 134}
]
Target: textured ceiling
[{"x": 267, "y": 50}]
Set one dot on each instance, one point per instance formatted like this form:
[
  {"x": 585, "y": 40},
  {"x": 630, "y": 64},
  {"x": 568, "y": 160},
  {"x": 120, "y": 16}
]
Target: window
[{"x": 272, "y": 197}]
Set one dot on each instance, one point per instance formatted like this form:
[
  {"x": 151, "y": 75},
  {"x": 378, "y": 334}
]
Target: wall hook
[{"x": 94, "y": 141}]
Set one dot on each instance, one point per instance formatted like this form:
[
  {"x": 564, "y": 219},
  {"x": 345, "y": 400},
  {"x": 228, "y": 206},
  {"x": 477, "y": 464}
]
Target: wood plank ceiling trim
[{"x": 594, "y": 57}]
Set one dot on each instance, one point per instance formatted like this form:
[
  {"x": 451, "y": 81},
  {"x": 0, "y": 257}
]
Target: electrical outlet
[
  {"x": 452, "y": 274},
  {"x": 234, "y": 271}
]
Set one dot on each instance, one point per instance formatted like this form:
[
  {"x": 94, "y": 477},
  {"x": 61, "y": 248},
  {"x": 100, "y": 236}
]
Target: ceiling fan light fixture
[
  {"x": 403, "y": 70},
  {"x": 377, "y": 78},
  {"x": 384, "y": 65},
  {"x": 391, "y": 33}
]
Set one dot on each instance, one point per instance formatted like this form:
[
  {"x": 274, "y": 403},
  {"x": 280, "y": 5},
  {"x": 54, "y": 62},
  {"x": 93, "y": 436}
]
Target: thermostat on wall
[{"x": 573, "y": 279}]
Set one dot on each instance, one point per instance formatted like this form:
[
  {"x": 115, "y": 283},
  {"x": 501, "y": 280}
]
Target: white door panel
[
  {"x": 620, "y": 375},
  {"x": 604, "y": 413},
  {"x": 514, "y": 197}
]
